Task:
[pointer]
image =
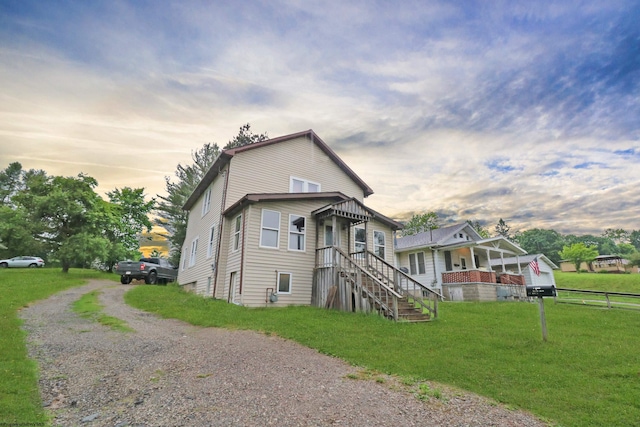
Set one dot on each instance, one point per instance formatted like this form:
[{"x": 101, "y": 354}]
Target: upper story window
[
  {"x": 360, "y": 239},
  {"x": 194, "y": 251},
  {"x": 379, "y": 243},
  {"x": 296, "y": 232},
  {"x": 416, "y": 263},
  {"x": 236, "y": 232},
  {"x": 270, "y": 229},
  {"x": 212, "y": 234},
  {"x": 206, "y": 204},
  {"x": 299, "y": 185}
]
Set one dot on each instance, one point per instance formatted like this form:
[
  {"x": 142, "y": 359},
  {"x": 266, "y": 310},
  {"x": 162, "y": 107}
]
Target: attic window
[{"x": 299, "y": 185}]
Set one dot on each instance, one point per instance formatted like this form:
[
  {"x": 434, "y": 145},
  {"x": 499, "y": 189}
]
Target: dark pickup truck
[{"x": 152, "y": 270}]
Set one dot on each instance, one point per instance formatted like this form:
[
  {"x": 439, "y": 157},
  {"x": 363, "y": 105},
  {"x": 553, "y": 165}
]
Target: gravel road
[{"x": 169, "y": 373}]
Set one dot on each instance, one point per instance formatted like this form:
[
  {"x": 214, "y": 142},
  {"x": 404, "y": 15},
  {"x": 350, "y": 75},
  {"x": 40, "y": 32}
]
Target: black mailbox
[{"x": 541, "y": 291}]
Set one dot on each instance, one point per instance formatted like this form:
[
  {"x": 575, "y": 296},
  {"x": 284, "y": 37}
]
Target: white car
[{"x": 22, "y": 261}]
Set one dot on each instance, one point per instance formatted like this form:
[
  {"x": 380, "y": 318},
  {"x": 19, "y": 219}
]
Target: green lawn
[
  {"x": 629, "y": 283},
  {"x": 587, "y": 374},
  {"x": 19, "y": 397}
]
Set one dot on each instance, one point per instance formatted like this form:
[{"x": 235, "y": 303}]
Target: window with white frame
[
  {"x": 297, "y": 232},
  {"x": 211, "y": 244},
  {"x": 416, "y": 263},
  {"x": 378, "y": 243},
  {"x": 184, "y": 258},
  {"x": 206, "y": 204},
  {"x": 299, "y": 185},
  {"x": 270, "y": 229},
  {"x": 236, "y": 232},
  {"x": 360, "y": 240},
  {"x": 284, "y": 283},
  {"x": 194, "y": 251}
]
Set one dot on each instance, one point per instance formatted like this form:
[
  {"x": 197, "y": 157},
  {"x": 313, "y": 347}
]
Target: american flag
[{"x": 535, "y": 266}]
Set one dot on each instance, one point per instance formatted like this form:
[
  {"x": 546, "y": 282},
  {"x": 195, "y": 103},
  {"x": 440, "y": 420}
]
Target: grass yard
[
  {"x": 587, "y": 374},
  {"x": 19, "y": 397},
  {"x": 629, "y": 283}
]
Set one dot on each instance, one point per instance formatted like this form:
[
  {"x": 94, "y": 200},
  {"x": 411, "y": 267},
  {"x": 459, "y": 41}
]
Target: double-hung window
[
  {"x": 378, "y": 243},
  {"x": 236, "y": 232},
  {"x": 299, "y": 185},
  {"x": 206, "y": 203},
  {"x": 194, "y": 251},
  {"x": 210, "y": 246},
  {"x": 296, "y": 232},
  {"x": 416, "y": 263},
  {"x": 270, "y": 229}
]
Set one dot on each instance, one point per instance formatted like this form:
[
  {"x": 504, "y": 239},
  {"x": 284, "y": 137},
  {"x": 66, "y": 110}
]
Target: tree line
[
  {"x": 554, "y": 245},
  {"x": 64, "y": 221}
]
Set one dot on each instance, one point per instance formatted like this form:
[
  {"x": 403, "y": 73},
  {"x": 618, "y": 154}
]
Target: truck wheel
[
  {"x": 125, "y": 280},
  {"x": 152, "y": 278}
]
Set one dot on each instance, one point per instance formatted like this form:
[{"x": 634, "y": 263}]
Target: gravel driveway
[{"x": 169, "y": 373}]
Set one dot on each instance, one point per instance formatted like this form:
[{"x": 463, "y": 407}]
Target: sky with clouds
[{"x": 526, "y": 111}]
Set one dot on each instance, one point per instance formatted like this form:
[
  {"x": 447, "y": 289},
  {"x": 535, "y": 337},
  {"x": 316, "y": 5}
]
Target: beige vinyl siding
[
  {"x": 233, "y": 258},
  {"x": 200, "y": 226},
  {"x": 261, "y": 265},
  {"x": 269, "y": 169},
  {"x": 389, "y": 254}
]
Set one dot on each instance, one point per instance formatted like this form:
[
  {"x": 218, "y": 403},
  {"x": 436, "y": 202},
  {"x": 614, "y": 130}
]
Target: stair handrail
[{"x": 370, "y": 256}]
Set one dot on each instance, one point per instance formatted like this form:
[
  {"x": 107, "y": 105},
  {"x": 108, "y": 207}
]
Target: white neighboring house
[
  {"x": 523, "y": 265},
  {"x": 459, "y": 263},
  {"x": 277, "y": 223}
]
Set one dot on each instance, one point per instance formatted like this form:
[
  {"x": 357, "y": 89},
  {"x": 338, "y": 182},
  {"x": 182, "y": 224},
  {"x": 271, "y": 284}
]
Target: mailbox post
[{"x": 540, "y": 292}]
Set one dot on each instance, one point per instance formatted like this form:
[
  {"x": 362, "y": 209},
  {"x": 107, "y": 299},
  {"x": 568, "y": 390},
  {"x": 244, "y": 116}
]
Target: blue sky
[{"x": 526, "y": 111}]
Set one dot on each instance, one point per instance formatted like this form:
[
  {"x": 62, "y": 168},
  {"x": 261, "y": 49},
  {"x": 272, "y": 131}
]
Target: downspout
[{"x": 220, "y": 228}]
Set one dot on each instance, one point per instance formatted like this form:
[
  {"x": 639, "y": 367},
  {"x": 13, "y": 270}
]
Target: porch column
[
  {"x": 502, "y": 261},
  {"x": 519, "y": 266},
  {"x": 489, "y": 259},
  {"x": 473, "y": 259},
  {"x": 366, "y": 243},
  {"x": 436, "y": 272}
]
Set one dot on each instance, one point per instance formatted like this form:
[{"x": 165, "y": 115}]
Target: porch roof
[
  {"x": 356, "y": 212},
  {"x": 524, "y": 260},
  {"x": 282, "y": 197}
]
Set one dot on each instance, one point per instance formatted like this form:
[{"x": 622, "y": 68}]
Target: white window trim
[
  {"x": 235, "y": 236},
  {"x": 297, "y": 233},
  {"x": 206, "y": 203},
  {"x": 212, "y": 235},
  {"x": 417, "y": 263},
  {"x": 376, "y": 245},
  {"x": 356, "y": 242},
  {"x": 194, "y": 252},
  {"x": 185, "y": 252},
  {"x": 305, "y": 184},
  {"x": 263, "y": 227},
  {"x": 280, "y": 273}
]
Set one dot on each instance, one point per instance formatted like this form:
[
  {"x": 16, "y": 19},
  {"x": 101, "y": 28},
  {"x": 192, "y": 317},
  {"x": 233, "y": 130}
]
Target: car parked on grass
[{"x": 22, "y": 261}]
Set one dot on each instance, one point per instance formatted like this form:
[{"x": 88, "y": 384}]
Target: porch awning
[{"x": 354, "y": 211}]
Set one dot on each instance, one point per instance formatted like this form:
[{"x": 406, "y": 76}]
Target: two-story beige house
[{"x": 282, "y": 222}]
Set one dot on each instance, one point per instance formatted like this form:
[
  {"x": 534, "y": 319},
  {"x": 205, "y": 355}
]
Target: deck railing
[
  {"x": 421, "y": 295},
  {"x": 338, "y": 277}
]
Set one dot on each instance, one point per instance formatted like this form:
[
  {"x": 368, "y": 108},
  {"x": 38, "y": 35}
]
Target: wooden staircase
[{"x": 406, "y": 307}]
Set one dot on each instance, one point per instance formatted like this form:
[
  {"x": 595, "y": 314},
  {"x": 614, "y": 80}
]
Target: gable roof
[
  {"x": 283, "y": 197},
  {"x": 435, "y": 237},
  {"x": 226, "y": 155}
]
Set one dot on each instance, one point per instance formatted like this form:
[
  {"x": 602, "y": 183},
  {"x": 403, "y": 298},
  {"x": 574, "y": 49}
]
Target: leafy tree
[
  {"x": 127, "y": 216},
  {"x": 170, "y": 214},
  {"x": 483, "y": 232},
  {"x": 579, "y": 253},
  {"x": 245, "y": 137},
  {"x": 634, "y": 259},
  {"x": 634, "y": 239},
  {"x": 420, "y": 223},
  {"x": 618, "y": 235},
  {"x": 604, "y": 245},
  {"x": 155, "y": 253},
  {"x": 537, "y": 240},
  {"x": 11, "y": 181},
  {"x": 502, "y": 229},
  {"x": 67, "y": 210}
]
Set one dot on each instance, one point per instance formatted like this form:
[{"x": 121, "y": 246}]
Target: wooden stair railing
[{"x": 421, "y": 296}]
